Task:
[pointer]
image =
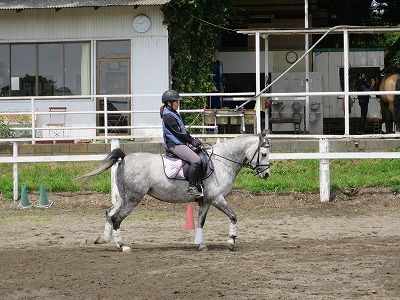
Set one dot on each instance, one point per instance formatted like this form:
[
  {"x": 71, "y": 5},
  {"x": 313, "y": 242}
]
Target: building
[{"x": 70, "y": 50}]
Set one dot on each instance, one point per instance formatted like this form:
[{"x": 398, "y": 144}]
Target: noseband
[{"x": 258, "y": 166}]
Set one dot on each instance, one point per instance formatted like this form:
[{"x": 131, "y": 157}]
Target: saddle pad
[{"x": 173, "y": 167}]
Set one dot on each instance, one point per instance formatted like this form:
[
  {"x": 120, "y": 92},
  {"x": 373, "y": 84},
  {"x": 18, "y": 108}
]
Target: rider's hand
[{"x": 196, "y": 142}]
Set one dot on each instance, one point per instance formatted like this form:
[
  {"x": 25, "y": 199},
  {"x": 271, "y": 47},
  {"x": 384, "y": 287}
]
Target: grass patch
[{"x": 286, "y": 176}]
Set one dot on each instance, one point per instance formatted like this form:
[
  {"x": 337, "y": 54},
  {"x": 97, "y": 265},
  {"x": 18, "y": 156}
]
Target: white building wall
[
  {"x": 77, "y": 23},
  {"x": 149, "y": 52},
  {"x": 149, "y": 76}
]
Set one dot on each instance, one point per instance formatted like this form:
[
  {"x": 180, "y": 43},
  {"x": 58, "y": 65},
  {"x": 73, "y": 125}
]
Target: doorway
[{"x": 113, "y": 78}]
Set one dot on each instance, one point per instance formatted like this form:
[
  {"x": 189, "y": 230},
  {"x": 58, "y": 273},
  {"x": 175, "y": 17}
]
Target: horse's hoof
[
  {"x": 125, "y": 249},
  {"x": 231, "y": 244},
  {"x": 202, "y": 247},
  {"x": 99, "y": 240}
]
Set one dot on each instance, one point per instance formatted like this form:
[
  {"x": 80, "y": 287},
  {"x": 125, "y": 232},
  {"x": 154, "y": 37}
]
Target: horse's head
[{"x": 259, "y": 159}]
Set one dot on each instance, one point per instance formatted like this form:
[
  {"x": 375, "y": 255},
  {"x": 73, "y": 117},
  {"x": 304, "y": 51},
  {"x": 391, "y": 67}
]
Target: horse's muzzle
[{"x": 263, "y": 175}]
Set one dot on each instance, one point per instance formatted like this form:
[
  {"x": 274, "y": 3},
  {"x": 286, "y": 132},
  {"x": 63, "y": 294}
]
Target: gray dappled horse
[{"x": 139, "y": 174}]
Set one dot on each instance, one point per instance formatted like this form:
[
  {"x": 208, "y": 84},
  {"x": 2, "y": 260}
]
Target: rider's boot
[{"x": 193, "y": 178}]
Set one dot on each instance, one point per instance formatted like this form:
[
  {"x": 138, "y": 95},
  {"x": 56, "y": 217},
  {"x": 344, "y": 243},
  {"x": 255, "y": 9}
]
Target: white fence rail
[
  {"x": 32, "y": 114},
  {"x": 324, "y": 156}
]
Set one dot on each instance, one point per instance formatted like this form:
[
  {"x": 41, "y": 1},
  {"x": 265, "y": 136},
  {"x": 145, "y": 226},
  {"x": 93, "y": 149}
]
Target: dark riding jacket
[
  {"x": 362, "y": 85},
  {"x": 173, "y": 129}
]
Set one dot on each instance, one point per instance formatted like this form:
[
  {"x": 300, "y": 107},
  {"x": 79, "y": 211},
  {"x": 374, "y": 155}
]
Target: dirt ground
[{"x": 288, "y": 247}]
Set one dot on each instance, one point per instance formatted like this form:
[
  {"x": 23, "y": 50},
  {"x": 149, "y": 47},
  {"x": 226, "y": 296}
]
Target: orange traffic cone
[{"x": 189, "y": 217}]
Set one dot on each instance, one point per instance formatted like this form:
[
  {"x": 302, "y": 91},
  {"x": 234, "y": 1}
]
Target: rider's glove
[{"x": 196, "y": 142}]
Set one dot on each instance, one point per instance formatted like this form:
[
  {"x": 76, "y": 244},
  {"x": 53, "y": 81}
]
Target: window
[
  {"x": 110, "y": 49},
  {"x": 46, "y": 69},
  {"x": 4, "y": 70}
]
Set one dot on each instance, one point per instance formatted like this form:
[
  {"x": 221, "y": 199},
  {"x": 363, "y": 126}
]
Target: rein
[{"x": 245, "y": 164}]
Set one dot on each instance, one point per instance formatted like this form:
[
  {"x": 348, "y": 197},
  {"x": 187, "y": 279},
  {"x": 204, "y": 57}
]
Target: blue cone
[
  {"x": 44, "y": 202},
  {"x": 24, "y": 198}
]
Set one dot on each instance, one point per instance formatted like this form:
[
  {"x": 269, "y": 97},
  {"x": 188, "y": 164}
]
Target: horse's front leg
[
  {"x": 198, "y": 239},
  {"x": 221, "y": 204}
]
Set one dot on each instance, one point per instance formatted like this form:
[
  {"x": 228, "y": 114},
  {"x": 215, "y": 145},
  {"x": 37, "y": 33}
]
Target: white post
[
  {"x": 346, "y": 81},
  {"x": 324, "y": 172},
  {"x": 15, "y": 171},
  {"x": 307, "y": 62},
  {"x": 258, "y": 87},
  {"x": 114, "y": 189},
  {"x": 33, "y": 133},
  {"x": 266, "y": 68},
  {"x": 106, "y": 118}
]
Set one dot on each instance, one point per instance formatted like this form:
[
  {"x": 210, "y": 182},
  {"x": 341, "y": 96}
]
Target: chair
[{"x": 56, "y": 120}]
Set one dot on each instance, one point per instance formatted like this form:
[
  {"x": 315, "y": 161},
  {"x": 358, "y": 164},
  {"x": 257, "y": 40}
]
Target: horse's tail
[
  {"x": 396, "y": 104},
  {"x": 108, "y": 162}
]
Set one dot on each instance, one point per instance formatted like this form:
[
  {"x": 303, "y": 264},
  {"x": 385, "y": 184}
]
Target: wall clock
[
  {"x": 291, "y": 57},
  {"x": 141, "y": 23}
]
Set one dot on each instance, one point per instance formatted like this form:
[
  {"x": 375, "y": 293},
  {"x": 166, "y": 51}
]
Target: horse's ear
[{"x": 262, "y": 135}]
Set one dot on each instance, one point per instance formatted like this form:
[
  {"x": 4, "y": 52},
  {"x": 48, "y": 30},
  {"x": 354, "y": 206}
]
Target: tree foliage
[
  {"x": 195, "y": 28},
  {"x": 366, "y": 13}
]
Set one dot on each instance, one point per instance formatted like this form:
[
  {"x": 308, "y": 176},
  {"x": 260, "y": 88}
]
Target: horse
[
  {"x": 138, "y": 174},
  {"x": 390, "y": 82}
]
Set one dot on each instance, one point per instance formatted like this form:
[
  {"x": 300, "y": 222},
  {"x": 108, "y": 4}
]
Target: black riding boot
[{"x": 193, "y": 178}]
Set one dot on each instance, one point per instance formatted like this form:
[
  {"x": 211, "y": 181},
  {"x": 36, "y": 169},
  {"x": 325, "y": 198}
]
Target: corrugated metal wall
[
  {"x": 75, "y": 23},
  {"x": 149, "y": 51}
]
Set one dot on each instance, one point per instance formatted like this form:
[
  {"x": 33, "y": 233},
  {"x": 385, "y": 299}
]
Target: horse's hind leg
[
  {"x": 385, "y": 119},
  {"x": 221, "y": 204},
  {"x": 113, "y": 221}
]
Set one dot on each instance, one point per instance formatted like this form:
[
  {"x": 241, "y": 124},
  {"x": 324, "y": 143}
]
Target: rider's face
[{"x": 175, "y": 104}]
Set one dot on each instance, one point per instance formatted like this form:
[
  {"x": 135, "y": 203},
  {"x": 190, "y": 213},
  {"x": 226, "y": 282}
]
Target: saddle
[{"x": 176, "y": 168}]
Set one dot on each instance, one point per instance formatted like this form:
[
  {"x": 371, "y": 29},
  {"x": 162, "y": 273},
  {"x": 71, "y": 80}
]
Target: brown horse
[{"x": 390, "y": 82}]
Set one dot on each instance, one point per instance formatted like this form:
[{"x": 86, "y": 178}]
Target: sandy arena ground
[{"x": 289, "y": 247}]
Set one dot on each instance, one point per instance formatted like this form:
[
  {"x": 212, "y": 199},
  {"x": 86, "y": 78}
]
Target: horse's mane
[
  {"x": 388, "y": 70},
  {"x": 237, "y": 139}
]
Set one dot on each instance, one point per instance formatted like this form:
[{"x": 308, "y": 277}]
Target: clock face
[
  {"x": 291, "y": 57},
  {"x": 141, "y": 23}
]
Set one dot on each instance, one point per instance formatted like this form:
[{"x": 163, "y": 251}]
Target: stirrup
[{"x": 193, "y": 190}]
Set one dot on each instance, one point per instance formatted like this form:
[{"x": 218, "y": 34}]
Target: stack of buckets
[{"x": 43, "y": 203}]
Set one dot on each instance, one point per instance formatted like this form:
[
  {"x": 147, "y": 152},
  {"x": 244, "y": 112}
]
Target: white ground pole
[
  {"x": 324, "y": 172},
  {"x": 114, "y": 190}
]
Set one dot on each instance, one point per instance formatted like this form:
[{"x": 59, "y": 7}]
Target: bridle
[{"x": 258, "y": 166}]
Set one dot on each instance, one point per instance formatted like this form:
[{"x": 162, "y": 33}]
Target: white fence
[{"x": 324, "y": 156}]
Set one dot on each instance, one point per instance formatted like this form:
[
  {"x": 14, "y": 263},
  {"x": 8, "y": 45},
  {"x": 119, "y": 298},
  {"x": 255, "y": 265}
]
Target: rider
[{"x": 176, "y": 139}]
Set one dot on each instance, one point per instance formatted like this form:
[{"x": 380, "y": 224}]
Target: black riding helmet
[{"x": 170, "y": 95}]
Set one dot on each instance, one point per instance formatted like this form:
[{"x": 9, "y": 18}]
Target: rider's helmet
[{"x": 170, "y": 95}]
